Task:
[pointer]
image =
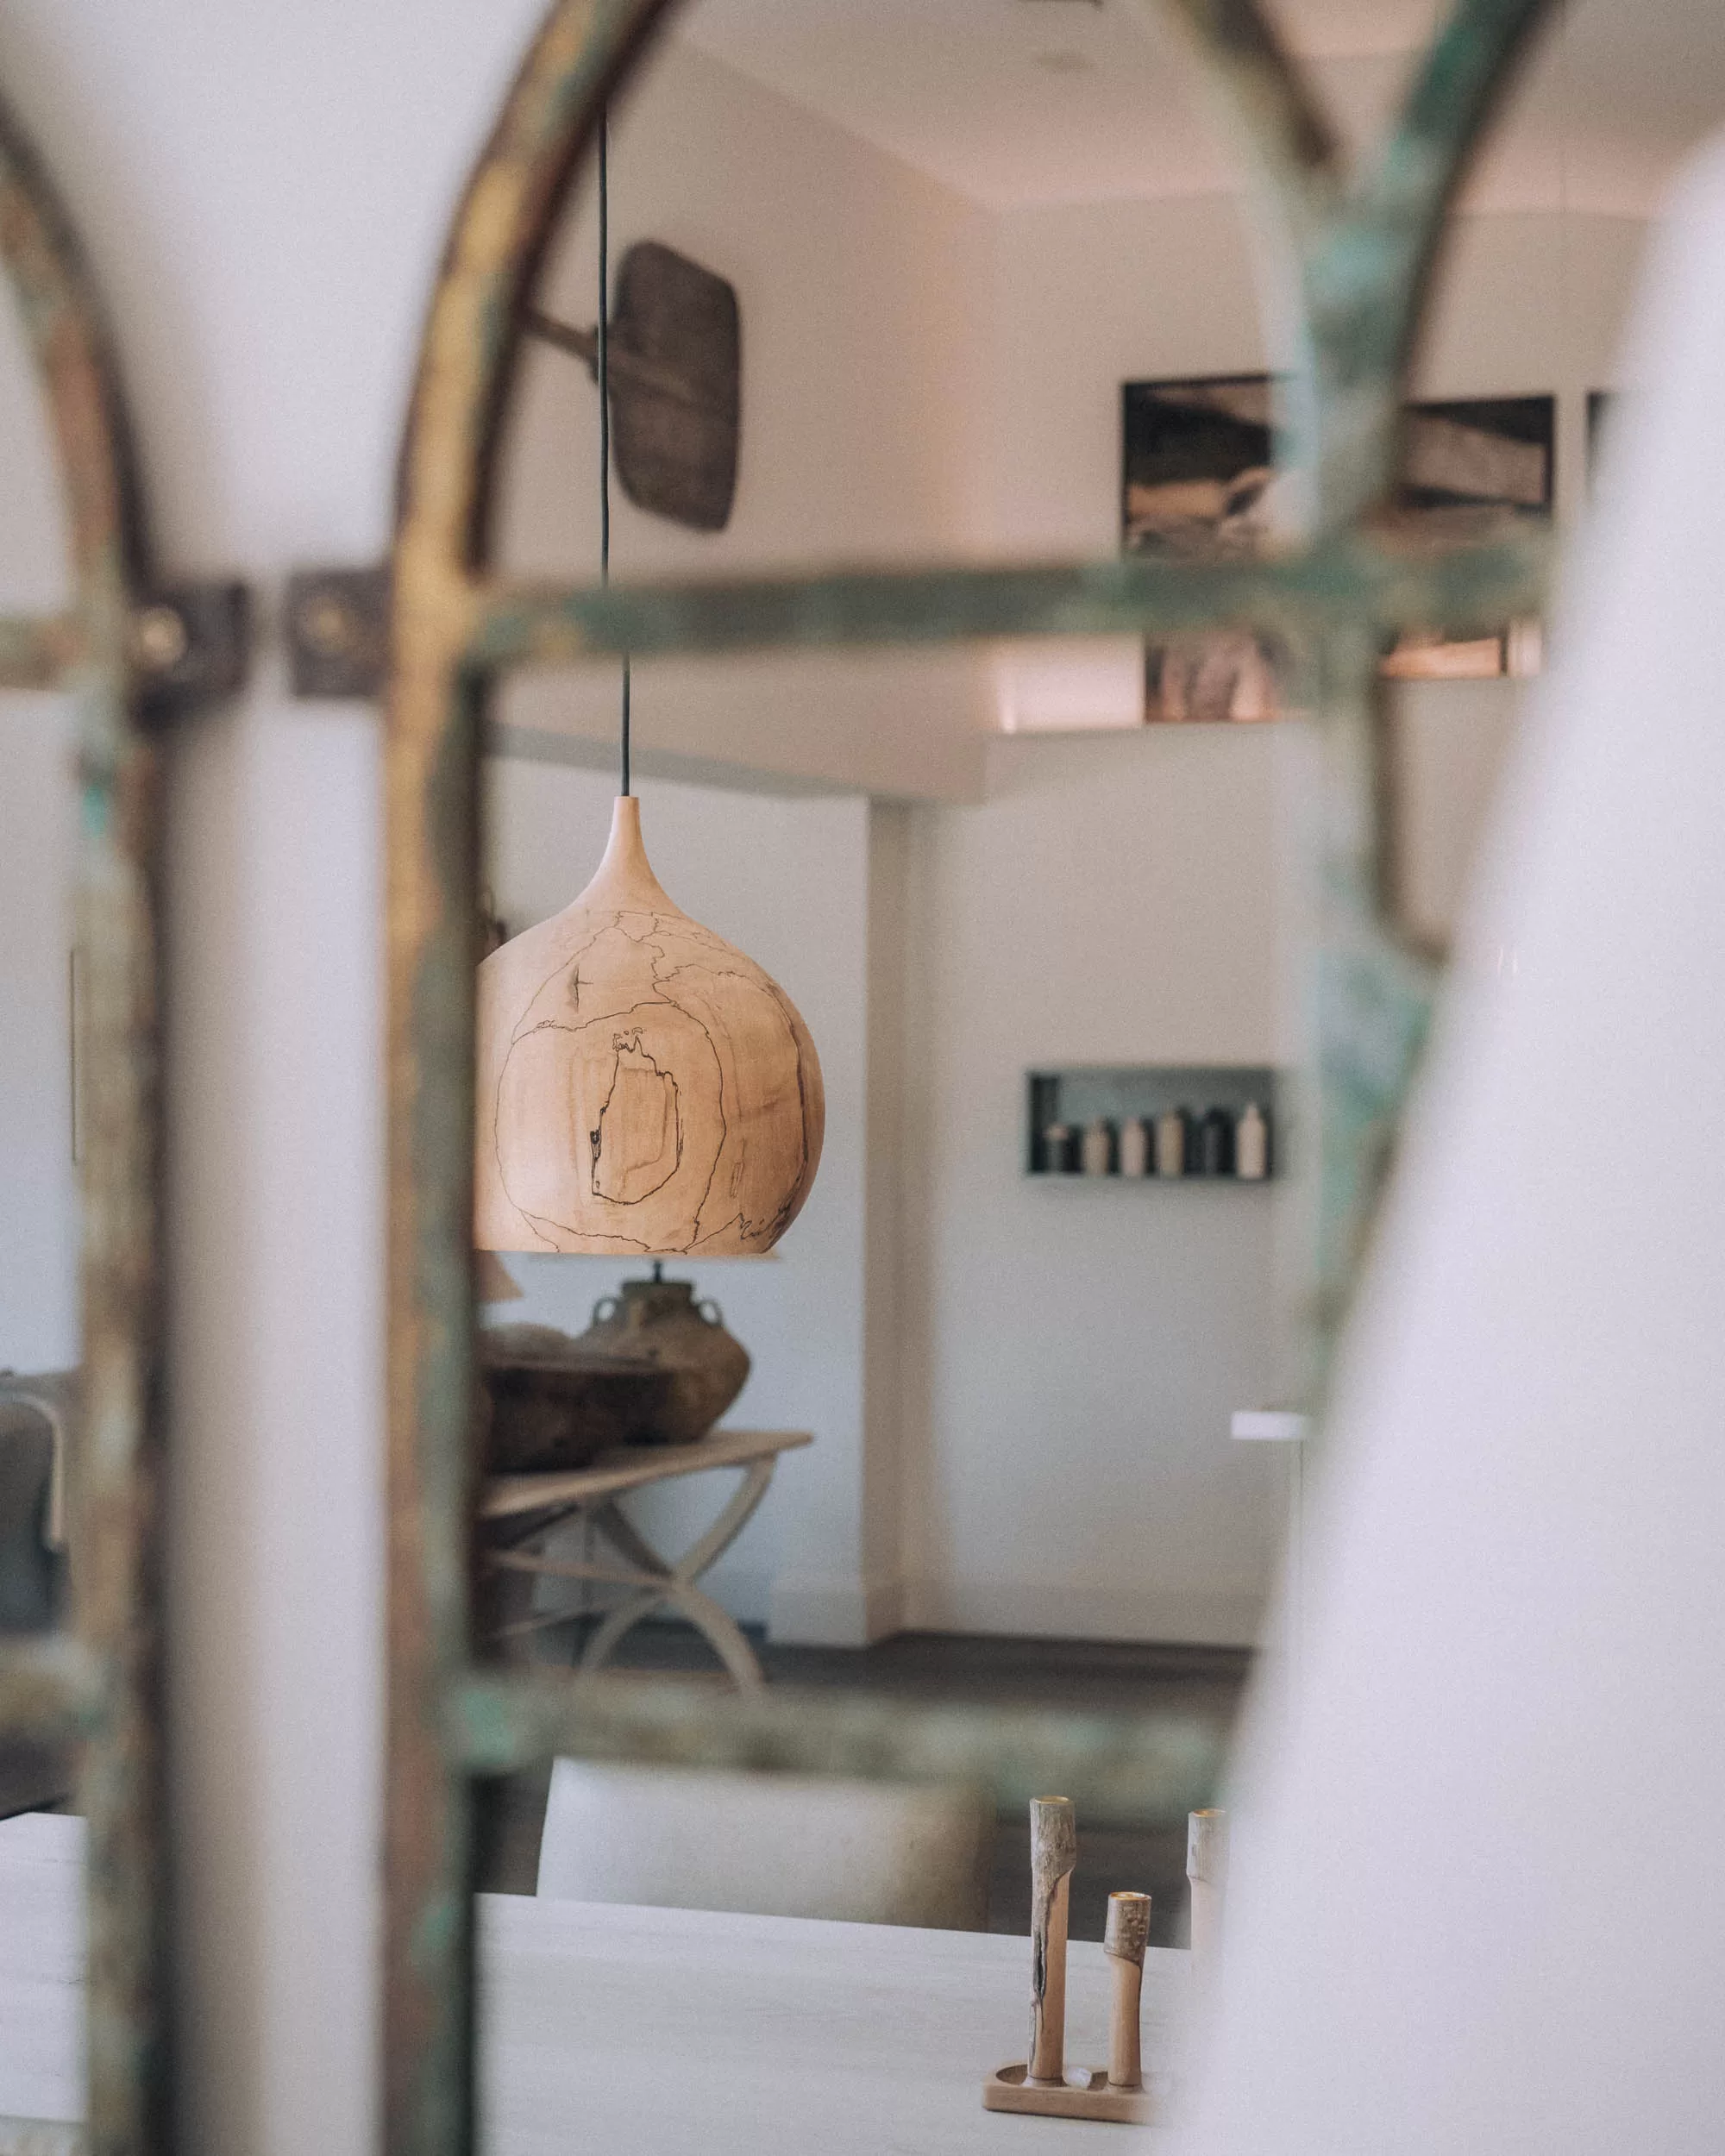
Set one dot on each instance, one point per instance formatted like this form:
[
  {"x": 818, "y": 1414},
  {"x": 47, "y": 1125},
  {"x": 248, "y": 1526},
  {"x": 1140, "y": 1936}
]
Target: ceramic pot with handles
[
  {"x": 548, "y": 1405},
  {"x": 659, "y": 1324}
]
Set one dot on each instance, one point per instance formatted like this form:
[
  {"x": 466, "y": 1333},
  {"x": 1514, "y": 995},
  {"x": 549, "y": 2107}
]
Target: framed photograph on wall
[
  {"x": 1473, "y": 469},
  {"x": 1199, "y": 482}
]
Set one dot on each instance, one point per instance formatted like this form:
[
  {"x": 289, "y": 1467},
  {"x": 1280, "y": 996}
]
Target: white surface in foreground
[
  {"x": 1477, "y": 1899},
  {"x": 662, "y": 2030},
  {"x": 41, "y": 1969},
  {"x": 646, "y": 2030}
]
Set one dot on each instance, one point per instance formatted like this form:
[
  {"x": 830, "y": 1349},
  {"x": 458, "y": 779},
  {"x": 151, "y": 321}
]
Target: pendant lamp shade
[{"x": 643, "y": 1087}]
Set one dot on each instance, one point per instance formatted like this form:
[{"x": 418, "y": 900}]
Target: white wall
[
  {"x": 1093, "y": 1325},
  {"x": 1074, "y": 1349},
  {"x": 859, "y": 283},
  {"x": 1088, "y": 296}
]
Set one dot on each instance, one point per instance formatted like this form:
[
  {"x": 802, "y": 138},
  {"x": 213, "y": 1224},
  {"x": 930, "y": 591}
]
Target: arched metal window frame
[
  {"x": 99, "y": 1683},
  {"x": 1362, "y": 249}
]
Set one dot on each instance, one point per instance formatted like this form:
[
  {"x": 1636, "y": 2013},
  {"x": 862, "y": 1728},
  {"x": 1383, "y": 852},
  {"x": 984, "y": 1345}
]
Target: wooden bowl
[{"x": 550, "y": 1405}]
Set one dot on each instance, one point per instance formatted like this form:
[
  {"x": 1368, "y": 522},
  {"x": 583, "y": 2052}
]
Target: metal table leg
[
  {"x": 656, "y": 1583},
  {"x": 674, "y": 1583}
]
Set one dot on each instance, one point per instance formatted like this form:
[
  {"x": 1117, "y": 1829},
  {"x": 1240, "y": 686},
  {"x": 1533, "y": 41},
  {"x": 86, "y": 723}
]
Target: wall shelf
[{"x": 1116, "y": 1094}]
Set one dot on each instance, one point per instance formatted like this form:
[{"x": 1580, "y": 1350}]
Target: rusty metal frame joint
[
  {"x": 192, "y": 645},
  {"x": 337, "y": 627}
]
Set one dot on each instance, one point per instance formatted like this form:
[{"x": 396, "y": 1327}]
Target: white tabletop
[
  {"x": 662, "y": 2030},
  {"x": 41, "y": 1978}
]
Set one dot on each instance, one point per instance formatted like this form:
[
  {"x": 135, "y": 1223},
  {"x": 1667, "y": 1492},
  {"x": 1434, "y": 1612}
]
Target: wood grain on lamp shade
[{"x": 643, "y": 1087}]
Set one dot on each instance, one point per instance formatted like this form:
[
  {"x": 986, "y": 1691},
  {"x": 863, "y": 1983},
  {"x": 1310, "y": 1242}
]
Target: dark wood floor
[{"x": 1193, "y": 1682}]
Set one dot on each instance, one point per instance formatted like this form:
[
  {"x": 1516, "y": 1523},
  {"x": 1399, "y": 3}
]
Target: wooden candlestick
[
  {"x": 1207, "y": 1867},
  {"x": 1124, "y": 1941},
  {"x": 1044, "y": 2085},
  {"x": 1053, "y": 1852}
]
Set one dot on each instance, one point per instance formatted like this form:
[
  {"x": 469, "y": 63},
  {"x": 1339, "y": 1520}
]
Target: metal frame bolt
[{"x": 161, "y": 639}]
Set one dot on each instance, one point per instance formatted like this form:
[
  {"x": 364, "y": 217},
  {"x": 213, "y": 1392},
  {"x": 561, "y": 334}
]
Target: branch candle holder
[
  {"x": 1045, "y": 2084},
  {"x": 1053, "y": 1853},
  {"x": 1207, "y": 1867},
  {"x": 1124, "y": 1942}
]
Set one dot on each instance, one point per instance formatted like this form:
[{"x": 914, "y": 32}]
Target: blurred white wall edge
[
  {"x": 1477, "y": 1889},
  {"x": 268, "y": 375}
]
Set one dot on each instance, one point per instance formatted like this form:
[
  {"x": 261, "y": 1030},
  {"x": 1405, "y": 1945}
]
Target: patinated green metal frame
[
  {"x": 1362, "y": 252},
  {"x": 101, "y": 1683}
]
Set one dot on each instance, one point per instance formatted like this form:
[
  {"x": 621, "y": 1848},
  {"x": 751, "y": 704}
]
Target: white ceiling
[{"x": 1024, "y": 101}]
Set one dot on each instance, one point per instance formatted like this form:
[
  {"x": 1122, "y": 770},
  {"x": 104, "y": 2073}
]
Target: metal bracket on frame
[
  {"x": 336, "y": 630},
  {"x": 191, "y": 644}
]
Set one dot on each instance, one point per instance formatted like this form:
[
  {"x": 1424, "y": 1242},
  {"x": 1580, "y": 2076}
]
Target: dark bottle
[{"x": 1216, "y": 1143}]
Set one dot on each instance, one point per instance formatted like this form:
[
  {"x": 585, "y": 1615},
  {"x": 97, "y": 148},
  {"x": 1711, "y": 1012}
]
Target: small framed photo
[{"x": 1198, "y": 482}]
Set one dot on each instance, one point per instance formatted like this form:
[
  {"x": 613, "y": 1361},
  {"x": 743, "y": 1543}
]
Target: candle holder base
[{"x": 1084, "y": 2093}]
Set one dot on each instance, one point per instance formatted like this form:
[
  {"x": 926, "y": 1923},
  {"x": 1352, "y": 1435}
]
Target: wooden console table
[{"x": 517, "y": 1511}]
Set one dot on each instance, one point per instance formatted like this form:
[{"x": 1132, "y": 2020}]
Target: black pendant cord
[{"x": 603, "y": 369}]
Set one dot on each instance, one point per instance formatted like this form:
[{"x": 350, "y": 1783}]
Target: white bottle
[
  {"x": 1096, "y": 1150},
  {"x": 1134, "y": 1146},
  {"x": 1251, "y": 1145},
  {"x": 1170, "y": 1142}
]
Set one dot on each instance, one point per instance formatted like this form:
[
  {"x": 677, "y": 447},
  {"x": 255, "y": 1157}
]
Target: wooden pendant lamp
[{"x": 643, "y": 1087}]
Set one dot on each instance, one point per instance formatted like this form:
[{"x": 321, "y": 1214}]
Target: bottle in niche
[
  {"x": 1251, "y": 1145},
  {"x": 1057, "y": 1149},
  {"x": 1170, "y": 1141},
  {"x": 1096, "y": 1148},
  {"x": 1135, "y": 1146},
  {"x": 1216, "y": 1143}
]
